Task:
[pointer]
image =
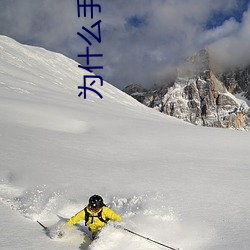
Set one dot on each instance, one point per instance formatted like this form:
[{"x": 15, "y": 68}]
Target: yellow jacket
[{"x": 94, "y": 223}]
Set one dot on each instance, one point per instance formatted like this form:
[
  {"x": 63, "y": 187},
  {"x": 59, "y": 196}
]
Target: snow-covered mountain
[
  {"x": 182, "y": 185},
  {"x": 202, "y": 96}
]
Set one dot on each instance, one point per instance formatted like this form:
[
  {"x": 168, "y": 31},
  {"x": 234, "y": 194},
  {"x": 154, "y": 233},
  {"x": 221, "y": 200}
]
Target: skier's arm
[
  {"x": 77, "y": 217},
  {"x": 110, "y": 214}
]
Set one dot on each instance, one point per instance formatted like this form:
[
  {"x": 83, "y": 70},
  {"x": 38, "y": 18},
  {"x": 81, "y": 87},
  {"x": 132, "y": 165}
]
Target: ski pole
[
  {"x": 146, "y": 238},
  {"x": 45, "y": 228}
]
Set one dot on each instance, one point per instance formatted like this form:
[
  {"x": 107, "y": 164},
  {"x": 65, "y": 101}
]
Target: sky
[{"x": 147, "y": 38}]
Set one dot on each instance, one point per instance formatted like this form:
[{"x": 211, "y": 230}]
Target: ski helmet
[{"x": 95, "y": 202}]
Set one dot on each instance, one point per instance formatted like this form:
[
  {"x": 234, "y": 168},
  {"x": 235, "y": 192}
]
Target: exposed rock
[
  {"x": 237, "y": 81},
  {"x": 201, "y": 97},
  {"x": 137, "y": 91},
  {"x": 133, "y": 88}
]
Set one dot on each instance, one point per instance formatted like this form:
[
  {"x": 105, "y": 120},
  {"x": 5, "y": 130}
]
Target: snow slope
[{"x": 176, "y": 183}]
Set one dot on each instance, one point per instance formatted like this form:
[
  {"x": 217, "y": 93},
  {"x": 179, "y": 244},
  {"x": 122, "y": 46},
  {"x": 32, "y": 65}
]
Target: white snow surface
[{"x": 182, "y": 185}]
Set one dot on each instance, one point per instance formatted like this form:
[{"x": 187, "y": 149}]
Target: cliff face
[
  {"x": 237, "y": 81},
  {"x": 201, "y": 97}
]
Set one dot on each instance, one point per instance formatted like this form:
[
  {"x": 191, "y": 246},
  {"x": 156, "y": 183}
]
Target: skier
[{"x": 95, "y": 214}]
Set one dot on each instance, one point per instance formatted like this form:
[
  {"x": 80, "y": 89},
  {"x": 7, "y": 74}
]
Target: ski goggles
[{"x": 94, "y": 208}]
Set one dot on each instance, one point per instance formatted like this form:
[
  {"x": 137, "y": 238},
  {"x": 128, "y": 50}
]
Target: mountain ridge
[{"x": 200, "y": 95}]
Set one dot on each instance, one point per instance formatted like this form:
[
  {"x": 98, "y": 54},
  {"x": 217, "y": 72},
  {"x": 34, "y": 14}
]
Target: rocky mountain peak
[
  {"x": 202, "y": 97},
  {"x": 194, "y": 65}
]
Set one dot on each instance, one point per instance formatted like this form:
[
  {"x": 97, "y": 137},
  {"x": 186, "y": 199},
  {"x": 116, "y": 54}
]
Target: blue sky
[
  {"x": 142, "y": 40},
  {"x": 218, "y": 17}
]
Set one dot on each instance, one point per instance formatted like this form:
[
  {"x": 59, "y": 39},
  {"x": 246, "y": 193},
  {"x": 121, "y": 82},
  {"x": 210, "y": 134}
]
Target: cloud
[
  {"x": 233, "y": 49},
  {"x": 142, "y": 40},
  {"x": 228, "y": 28}
]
